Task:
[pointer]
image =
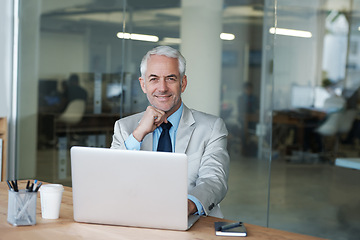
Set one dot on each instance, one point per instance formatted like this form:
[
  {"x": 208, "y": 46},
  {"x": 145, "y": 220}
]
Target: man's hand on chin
[{"x": 152, "y": 118}]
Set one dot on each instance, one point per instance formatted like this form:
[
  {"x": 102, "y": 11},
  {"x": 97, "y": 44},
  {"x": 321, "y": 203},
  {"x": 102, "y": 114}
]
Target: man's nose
[{"x": 162, "y": 85}]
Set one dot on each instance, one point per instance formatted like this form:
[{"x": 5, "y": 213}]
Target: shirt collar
[{"x": 175, "y": 117}]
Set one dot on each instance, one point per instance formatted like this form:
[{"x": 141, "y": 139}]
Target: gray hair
[{"x": 164, "y": 51}]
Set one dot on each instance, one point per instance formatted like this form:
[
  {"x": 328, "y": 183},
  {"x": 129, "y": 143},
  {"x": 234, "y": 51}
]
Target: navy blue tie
[{"x": 164, "y": 144}]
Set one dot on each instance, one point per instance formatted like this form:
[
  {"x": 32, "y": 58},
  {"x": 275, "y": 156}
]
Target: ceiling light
[
  {"x": 227, "y": 36},
  {"x": 140, "y": 37},
  {"x": 123, "y": 35},
  {"x": 171, "y": 40},
  {"x": 359, "y": 28},
  {"x": 290, "y": 32}
]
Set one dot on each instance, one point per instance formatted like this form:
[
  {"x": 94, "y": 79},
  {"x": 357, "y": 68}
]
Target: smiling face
[{"x": 162, "y": 83}]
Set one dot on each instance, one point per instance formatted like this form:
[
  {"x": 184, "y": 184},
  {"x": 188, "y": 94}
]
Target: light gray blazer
[{"x": 203, "y": 138}]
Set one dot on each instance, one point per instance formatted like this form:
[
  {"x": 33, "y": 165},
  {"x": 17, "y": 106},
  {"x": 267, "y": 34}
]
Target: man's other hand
[{"x": 191, "y": 207}]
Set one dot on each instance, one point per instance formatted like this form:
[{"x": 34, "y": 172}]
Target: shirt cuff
[
  {"x": 200, "y": 209},
  {"x": 132, "y": 144}
]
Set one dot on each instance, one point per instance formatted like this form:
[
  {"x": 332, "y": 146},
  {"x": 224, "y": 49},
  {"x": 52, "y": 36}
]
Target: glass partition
[
  {"x": 314, "y": 119},
  {"x": 73, "y": 84},
  {"x": 89, "y": 44},
  {"x": 246, "y": 108}
]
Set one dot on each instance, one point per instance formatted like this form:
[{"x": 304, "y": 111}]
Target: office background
[{"x": 282, "y": 172}]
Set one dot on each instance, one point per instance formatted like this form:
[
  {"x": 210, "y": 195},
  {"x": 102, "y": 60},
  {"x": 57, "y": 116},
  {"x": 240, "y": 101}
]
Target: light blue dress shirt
[{"x": 132, "y": 144}]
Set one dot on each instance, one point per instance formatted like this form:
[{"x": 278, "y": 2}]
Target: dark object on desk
[
  {"x": 48, "y": 93},
  {"x": 230, "y": 229}
]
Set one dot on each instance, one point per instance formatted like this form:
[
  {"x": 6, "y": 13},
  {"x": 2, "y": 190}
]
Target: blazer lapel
[{"x": 184, "y": 131}]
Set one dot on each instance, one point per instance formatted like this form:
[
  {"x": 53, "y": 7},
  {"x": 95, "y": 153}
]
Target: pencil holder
[{"x": 22, "y": 208}]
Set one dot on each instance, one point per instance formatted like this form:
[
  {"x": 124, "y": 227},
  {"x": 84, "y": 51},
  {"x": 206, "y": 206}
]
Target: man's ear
[
  {"x": 142, "y": 84},
  {"x": 183, "y": 83}
]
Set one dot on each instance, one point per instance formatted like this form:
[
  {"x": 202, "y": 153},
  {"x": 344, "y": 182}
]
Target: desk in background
[
  {"x": 298, "y": 120},
  {"x": 55, "y": 139},
  {"x": 66, "y": 228},
  {"x": 49, "y": 127}
]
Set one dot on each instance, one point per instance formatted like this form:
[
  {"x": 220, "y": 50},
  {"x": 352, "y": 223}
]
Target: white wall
[
  {"x": 6, "y": 27},
  {"x": 5, "y": 55},
  {"x": 203, "y": 53}
]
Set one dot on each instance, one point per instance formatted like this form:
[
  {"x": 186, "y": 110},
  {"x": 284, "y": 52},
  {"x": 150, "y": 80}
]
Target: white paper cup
[{"x": 50, "y": 196}]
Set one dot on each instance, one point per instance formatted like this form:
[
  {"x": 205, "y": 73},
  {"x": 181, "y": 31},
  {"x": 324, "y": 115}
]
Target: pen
[
  {"x": 9, "y": 185},
  {"x": 38, "y": 186},
  {"x": 14, "y": 186},
  {"x": 231, "y": 225},
  {"x": 35, "y": 185},
  {"x": 28, "y": 184},
  {"x": 31, "y": 187}
]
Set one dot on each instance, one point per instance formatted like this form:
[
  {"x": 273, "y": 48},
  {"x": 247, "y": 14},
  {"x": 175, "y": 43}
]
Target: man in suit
[{"x": 202, "y": 137}]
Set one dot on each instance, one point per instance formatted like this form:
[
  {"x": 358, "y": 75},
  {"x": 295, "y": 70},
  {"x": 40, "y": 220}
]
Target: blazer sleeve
[
  {"x": 119, "y": 137},
  {"x": 211, "y": 184},
  {"x": 122, "y": 130}
]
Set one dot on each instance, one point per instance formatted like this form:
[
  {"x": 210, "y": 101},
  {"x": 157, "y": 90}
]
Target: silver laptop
[{"x": 130, "y": 188}]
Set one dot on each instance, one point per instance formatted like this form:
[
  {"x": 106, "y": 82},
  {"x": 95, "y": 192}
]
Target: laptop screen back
[{"x": 130, "y": 188}]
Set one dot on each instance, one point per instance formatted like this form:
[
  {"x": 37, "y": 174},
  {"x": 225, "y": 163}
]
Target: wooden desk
[{"x": 65, "y": 227}]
